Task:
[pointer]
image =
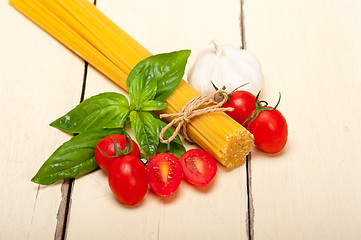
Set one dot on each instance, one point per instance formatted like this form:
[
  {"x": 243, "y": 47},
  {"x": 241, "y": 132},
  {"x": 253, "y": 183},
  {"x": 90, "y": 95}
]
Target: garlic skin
[{"x": 225, "y": 65}]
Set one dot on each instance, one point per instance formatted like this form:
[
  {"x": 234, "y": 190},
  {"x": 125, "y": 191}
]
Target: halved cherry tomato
[
  {"x": 106, "y": 151},
  {"x": 164, "y": 173},
  {"x": 199, "y": 167},
  {"x": 128, "y": 180}
]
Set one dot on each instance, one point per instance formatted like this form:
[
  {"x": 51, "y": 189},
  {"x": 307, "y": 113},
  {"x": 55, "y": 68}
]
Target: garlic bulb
[{"x": 226, "y": 66}]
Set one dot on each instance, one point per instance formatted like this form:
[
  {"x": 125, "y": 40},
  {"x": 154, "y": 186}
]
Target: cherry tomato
[
  {"x": 270, "y": 131},
  {"x": 128, "y": 180},
  {"x": 243, "y": 104},
  {"x": 199, "y": 167},
  {"x": 164, "y": 173},
  {"x": 105, "y": 151}
]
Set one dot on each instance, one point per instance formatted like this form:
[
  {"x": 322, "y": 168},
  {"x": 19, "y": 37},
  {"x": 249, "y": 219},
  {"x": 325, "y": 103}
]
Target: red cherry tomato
[
  {"x": 199, "y": 167},
  {"x": 270, "y": 131},
  {"x": 164, "y": 173},
  {"x": 128, "y": 180},
  {"x": 105, "y": 151},
  {"x": 243, "y": 104}
]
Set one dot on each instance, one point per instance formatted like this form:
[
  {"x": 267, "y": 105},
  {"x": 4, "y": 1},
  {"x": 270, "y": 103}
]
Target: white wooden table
[{"x": 310, "y": 51}]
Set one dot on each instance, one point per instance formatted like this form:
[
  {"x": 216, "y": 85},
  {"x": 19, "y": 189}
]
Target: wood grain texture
[
  {"x": 39, "y": 80},
  {"x": 216, "y": 212},
  {"x": 310, "y": 52}
]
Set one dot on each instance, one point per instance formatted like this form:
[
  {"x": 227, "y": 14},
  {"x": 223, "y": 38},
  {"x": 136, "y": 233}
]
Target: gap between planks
[
  {"x": 67, "y": 186},
  {"x": 250, "y": 208}
]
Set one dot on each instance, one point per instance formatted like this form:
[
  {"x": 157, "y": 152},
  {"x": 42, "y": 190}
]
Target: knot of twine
[{"x": 197, "y": 106}]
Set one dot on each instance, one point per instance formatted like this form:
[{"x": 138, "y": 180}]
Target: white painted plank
[
  {"x": 310, "y": 51},
  {"x": 217, "y": 212},
  {"x": 39, "y": 80}
]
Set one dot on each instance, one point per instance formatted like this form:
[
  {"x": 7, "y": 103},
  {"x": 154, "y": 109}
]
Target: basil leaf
[
  {"x": 147, "y": 128},
  {"x": 74, "y": 158},
  {"x": 153, "y": 105},
  {"x": 176, "y": 146},
  {"x": 144, "y": 126},
  {"x": 103, "y": 110},
  {"x": 143, "y": 88},
  {"x": 168, "y": 70}
]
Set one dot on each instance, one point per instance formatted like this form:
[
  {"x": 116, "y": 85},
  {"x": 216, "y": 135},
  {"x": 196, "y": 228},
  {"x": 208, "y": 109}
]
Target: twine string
[{"x": 195, "y": 107}]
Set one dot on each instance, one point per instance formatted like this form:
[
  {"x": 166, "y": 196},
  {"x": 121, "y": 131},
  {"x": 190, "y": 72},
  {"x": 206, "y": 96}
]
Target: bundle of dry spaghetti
[{"x": 81, "y": 27}]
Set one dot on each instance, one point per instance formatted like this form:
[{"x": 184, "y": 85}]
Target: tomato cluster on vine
[{"x": 267, "y": 124}]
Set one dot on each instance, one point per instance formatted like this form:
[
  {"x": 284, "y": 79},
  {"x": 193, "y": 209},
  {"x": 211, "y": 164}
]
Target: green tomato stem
[{"x": 260, "y": 106}]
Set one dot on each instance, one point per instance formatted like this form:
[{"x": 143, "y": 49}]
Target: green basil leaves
[
  {"x": 100, "y": 111},
  {"x": 149, "y": 84},
  {"x": 146, "y": 129},
  {"x": 74, "y": 158},
  {"x": 167, "y": 69}
]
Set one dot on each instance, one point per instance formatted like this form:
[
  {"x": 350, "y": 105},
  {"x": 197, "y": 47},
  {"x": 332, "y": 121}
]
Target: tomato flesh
[
  {"x": 106, "y": 148},
  {"x": 164, "y": 174},
  {"x": 199, "y": 167},
  {"x": 270, "y": 131},
  {"x": 128, "y": 180}
]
